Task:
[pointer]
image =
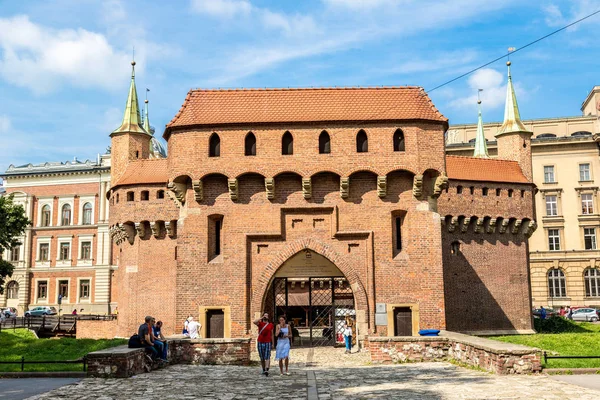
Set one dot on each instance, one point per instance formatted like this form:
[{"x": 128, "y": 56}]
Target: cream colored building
[{"x": 564, "y": 250}]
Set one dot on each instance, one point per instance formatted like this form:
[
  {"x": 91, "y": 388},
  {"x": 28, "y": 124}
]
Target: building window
[
  {"x": 14, "y": 254},
  {"x": 510, "y": 192},
  {"x": 362, "y": 142},
  {"x": 117, "y": 197},
  {"x": 454, "y": 248},
  {"x": 44, "y": 251},
  {"x": 160, "y": 194},
  {"x": 551, "y": 206},
  {"x": 553, "y": 239},
  {"x": 287, "y": 144},
  {"x": 584, "y": 172},
  {"x": 12, "y": 290},
  {"x": 472, "y": 190},
  {"x": 86, "y": 251},
  {"x": 522, "y": 193},
  {"x": 84, "y": 289},
  {"x": 589, "y": 238},
  {"x": 557, "y": 286},
  {"x": 42, "y": 290},
  {"x": 498, "y": 192},
  {"x": 399, "y": 140},
  {"x": 215, "y": 236},
  {"x": 130, "y": 196},
  {"x": 397, "y": 222},
  {"x": 592, "y": 282},
  {"x": 66, "y": 215},
  {"x": 63, "y": 289},
  {"x": 250, "y": 144},
  {"x": 459, "y": 189},
  {"x": 46, "y": 215},
  {"x": 484, "y": 191},
  {"x": 65, "y": 250},
  {"x": 214, "y": 146},
  {"x": 87, "y": 214},
  {"x": 324, "y": 143},
  {"x": 587, "y": 203},
  {"x": 549, "y": 174},
  {"x": 145, "y": 195}
]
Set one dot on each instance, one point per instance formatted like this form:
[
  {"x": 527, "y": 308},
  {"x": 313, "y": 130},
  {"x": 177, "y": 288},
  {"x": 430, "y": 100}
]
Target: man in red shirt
[{"x": 264, "y": 342}]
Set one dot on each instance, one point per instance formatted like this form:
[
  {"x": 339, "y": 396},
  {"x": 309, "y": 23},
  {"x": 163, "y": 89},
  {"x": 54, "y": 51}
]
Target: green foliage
[
  {"x": 584, "y": 340},
  {"x": 12, "y": 225},
  {"x": 557, "y": 325},
  {"x": 21, "y": 342}
]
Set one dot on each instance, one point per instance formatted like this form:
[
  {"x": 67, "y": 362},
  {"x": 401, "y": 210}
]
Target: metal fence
[
  {"x": 546, "y": 357},
  {"x": 82, "y": 360},
  {"x": 52, "y": 323}
]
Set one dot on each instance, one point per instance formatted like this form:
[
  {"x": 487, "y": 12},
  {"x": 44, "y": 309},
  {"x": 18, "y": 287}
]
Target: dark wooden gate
[
  {"x": 215, "y": 324},
  {"x": 402, "y": 321}
]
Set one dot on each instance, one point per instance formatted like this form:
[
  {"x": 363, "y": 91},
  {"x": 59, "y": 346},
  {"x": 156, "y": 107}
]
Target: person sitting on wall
[
  {"x": 74, "y": 312},
  {"x": 158, "y": 337},
  {"x": 193, "y": 328},
  {"x": 145, "y": 335}
]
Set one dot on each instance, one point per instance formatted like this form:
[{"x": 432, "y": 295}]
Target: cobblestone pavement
[{"x": 323, "y": 374}]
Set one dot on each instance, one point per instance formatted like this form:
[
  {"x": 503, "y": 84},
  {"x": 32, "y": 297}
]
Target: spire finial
[
  {"x": 512, "y": 116},
  {"x": 146, "y": 118},
  {"x": 131, "y": 119},
  {"x": 481, "y": 150}
]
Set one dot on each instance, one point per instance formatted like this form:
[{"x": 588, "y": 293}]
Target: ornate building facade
[{"x": 325, "y": 205}]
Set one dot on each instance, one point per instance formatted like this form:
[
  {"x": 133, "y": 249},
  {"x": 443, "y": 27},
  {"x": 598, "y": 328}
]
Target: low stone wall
[
  {"x": 116, "y": 362},
  {"x": 490, "y": 355},
  {"x": 210, "y": 351},
  {"x": 92, "y": 329}
]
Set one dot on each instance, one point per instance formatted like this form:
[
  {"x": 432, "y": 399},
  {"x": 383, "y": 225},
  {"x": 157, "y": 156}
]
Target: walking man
[{"x": 264, "y": 342}]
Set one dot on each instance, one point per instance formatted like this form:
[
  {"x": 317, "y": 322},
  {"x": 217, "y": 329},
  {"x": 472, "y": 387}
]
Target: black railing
[
  {"x": 82, "y": 360},
  {"x": 67, "y": 323},
  {"x": 546, "y": 357}
]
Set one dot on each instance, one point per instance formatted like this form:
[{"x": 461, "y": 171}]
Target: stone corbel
[
  {"x": 140, "y": 228},
  {"x": 344, "y": 187},
  {"x": 479, "y": 225},
  {"x": 118, "y": 234},
  {"x": 504, "y": 225},
  {"x": 198, "y": 190},
  {"x": 306, "y": 188},
  {"x": 517, "y": 226},
  {"x": 382, "y": 186},
  {"x": 453, "y": 224},
  {"x": 418, "y": 186},
  {"x": 531, "y": 227},
  {"x": 171, "y": 227},
  {"x": 232, "y": 184},
  {"x": 178, "y": 190},
  {"x": 441, "y": 183},
  {"x": 270, "y": 188},
  {"x": 465, "y": 224},
  {"x": 491, "y": 228},
  {"x": 155, "y": 226}
]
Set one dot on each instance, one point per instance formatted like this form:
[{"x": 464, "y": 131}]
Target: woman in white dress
[{"x": 282, "y": 352}]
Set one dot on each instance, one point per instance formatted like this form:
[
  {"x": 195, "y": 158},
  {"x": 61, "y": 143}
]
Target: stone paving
[{"x": 324, "y": 374}]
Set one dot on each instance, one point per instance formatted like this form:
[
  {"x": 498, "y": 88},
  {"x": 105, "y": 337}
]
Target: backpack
[{"x": 134, "y": 342}]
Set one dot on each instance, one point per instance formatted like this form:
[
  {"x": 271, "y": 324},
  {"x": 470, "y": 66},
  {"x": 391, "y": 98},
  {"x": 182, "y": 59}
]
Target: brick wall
[
  {"x": 209, "y": 351},
  {"x": 90, "y": 329}
]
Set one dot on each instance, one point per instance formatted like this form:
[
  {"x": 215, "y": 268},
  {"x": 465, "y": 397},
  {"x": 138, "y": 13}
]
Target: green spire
[
  {"x": 481, "y": 150},
  {"x": 146, "y": 120},
  {"x": 131, "y": 118},
  {"x": 512, "y": 118}
]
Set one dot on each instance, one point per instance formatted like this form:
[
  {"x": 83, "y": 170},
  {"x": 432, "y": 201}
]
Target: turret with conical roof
[
  {"x": 130, "y": 141},
  {"x": 481, "y": 150},
  {"x": 514, "y": 140}
]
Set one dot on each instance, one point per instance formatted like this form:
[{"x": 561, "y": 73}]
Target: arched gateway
[{"x": 315, "y": 296}]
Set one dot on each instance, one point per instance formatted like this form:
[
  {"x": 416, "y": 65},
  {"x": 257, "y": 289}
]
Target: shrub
[{"x": 556, "y": 325}]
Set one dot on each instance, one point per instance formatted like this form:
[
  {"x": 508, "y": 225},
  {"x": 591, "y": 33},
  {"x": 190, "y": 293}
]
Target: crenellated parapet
[{"x": 488, "y": 225}]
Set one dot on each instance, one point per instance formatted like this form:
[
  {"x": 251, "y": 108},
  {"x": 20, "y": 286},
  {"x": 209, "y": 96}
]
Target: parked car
[
  {"x": 9, "y": 312},
  {"x": 585, "y": 314},
  {"x": 42, "y": 310},
  {"x": 549, "y": 312}
]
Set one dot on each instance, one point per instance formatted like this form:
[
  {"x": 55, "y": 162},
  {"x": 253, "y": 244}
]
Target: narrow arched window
[
  {"x": 459, "y": 189},
  {"x": 160, "y": 194},
  {"x": 557, "y": 286},
  {"x": 592, "y": 282},
  {"x": 145, "y": 195},
  {"x": 87, "y": 214},
  {"x": 398, "y": 140},
  {"x": 324, "y": 143},
  {"x": 362, "y": 142},
  {"x": 12, "y": 290},
  {"x": 46, "y": 215},
  {"x": 250, "y": 144},
  {"x": 65, "y": 218},
  {"x": 287, "y": 143},
  {"x": 214, "y": 146}
]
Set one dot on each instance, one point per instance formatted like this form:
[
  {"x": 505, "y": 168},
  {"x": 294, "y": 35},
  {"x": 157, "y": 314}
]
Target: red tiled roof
[
  {"x": 484, "y": 169},
  {"x": 145, "y": 171},
  {"x": 239, "y": 106}
]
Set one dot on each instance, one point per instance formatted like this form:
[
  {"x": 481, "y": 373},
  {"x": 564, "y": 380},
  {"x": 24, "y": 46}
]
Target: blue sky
[{"x": 64, "y": 64}]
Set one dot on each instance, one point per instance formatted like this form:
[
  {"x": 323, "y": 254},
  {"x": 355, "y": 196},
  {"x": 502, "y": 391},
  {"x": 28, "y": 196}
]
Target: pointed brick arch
[{"x": 265, "y": 277}]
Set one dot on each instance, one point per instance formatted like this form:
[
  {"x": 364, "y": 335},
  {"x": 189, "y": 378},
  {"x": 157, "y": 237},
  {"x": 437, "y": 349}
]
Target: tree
[{"x": 12, "y": 225}]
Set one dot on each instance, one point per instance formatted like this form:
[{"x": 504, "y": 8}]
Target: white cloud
[
  {"x": 557, "y": 16},
  {"x": 359, "y": 5},
  {"x": 5, "y": 124},
  {"x": 222, "y": 8},
  {"x": 42, "y": 58}
]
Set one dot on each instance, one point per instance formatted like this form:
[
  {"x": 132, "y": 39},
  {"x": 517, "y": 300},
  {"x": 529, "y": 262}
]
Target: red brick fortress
[{"x": 346, "y": 189}]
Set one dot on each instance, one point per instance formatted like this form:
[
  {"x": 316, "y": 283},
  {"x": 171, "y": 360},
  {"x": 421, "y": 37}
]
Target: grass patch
[
  {"x": 583, "y": 340},
  {"x": 21, "y": 342}
]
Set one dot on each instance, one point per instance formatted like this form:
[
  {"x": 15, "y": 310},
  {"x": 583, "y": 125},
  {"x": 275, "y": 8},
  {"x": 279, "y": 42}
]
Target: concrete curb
[{"x": 41, "y": 374}]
